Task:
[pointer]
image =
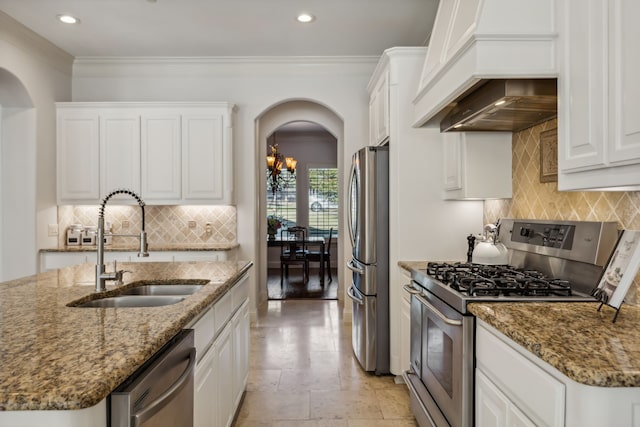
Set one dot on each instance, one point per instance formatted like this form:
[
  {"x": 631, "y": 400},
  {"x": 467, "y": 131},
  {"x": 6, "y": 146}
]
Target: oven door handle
[
  {"x": 444, "y": 318},
  {"x": 411, "y": 290}
]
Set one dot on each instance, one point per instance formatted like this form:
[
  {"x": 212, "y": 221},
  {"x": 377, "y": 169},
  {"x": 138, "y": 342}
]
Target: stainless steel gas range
[{"x": 548, "y": 261}]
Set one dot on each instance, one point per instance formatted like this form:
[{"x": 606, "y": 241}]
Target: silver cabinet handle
[
  {"x": 150, "y": 410},
  {"x": 351, "y": 266},
  {"x": 351, "y": 294},
  {"x": 411, "y": 290},
  {"x": 444, "y": 318}
]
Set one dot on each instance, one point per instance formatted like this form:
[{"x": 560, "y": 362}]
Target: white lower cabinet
[
  {"x": 515, "y": 388},
  {"x": 222, "y": 345},
  {"x": 493, "y": 408},
  {"x": 405, "y": 326}
]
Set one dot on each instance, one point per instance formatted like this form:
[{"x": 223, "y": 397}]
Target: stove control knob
[{"x": 526, "y": 232}]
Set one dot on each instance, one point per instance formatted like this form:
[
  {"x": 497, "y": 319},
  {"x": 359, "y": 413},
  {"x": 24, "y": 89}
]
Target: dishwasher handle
[{"x": 150, "y": 410}]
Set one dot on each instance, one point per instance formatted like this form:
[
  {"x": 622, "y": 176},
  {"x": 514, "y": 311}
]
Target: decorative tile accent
[
  {"x": 535, "y": 200},
  {"x": 164, "y": 224}
]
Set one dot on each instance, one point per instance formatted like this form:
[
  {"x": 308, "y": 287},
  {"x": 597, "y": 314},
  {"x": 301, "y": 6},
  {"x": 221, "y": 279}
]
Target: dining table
[{"x": 318, "y": 241}]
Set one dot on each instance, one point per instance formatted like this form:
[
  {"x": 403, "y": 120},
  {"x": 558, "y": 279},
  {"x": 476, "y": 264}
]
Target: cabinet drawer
[
  {"x": 240, "y": 292},
  {"x": 204, "y": 330},
  {"x": 223, "y": 310},
  {"x": 540, "y": 396}
]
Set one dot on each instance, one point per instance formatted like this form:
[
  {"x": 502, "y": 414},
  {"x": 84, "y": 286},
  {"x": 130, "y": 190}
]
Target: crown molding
[{"x": 24, "y": 39}]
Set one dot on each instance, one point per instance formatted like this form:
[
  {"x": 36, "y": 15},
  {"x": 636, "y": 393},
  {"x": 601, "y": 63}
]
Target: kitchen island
[{"x": 55, "y": 358}]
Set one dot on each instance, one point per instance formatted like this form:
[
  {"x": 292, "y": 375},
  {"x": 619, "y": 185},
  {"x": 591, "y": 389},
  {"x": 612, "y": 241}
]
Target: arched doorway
[
  {"x": 272, "y": 119},
  {"x": 18, "y": 255},
  {"x": 305, "y": 196}
]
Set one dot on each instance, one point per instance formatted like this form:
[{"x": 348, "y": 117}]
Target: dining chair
[
  {"x": 293, "y": 251},
  {"x": 315, "y": 256}
]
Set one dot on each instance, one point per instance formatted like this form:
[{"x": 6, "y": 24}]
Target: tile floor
[
  {"x": 302, "y": 373},
  {"x": 294, "y": 286}
]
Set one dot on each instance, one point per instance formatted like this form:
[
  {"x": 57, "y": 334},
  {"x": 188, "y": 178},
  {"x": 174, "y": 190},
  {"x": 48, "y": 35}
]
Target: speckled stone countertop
[
  {"x": 575, "y": 338},
  {"x": 152, "y": 247},
  {"x": 56, "y": 357}
]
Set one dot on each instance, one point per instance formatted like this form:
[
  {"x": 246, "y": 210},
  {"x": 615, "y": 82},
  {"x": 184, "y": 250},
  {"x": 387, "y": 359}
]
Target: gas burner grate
[{"x": 497, "y": 280}]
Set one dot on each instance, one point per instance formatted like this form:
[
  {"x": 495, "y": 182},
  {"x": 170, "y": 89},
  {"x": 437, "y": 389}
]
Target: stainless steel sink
[
  {"x": 133, "y": 301},
  {"x": 145, "y": 294},
  {"x": 168, "y": 289}
]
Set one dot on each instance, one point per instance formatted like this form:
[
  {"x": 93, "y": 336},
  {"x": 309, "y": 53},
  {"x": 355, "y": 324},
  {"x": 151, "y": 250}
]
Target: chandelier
[{"x": 275, "y": 162}]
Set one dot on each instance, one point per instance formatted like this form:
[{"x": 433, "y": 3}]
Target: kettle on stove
[{"x": 489, "y": 250}]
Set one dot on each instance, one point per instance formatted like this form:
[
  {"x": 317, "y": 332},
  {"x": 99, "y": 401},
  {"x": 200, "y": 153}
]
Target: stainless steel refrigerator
[{"x": 369, "y": 232}]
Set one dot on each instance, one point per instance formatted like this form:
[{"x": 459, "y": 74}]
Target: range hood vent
[{"x": 509, "y": 105}]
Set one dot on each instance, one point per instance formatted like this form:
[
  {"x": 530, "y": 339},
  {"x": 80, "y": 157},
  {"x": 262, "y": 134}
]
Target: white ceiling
[{"x": 227, "y": 27}]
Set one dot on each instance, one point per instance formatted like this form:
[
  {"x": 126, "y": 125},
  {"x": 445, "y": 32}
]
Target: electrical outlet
[
  {"x": 53, "y": 229},
  {"x": 208, "y": 229},
  {"x": 125, "y": 224},
  {"x": 192, "y": 224}
]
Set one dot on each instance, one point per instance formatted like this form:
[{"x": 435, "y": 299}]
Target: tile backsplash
[
  {"x": 535, "y": 200},
  {"x": 164, "y": 224}
]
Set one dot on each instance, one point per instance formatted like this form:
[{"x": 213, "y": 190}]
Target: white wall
[
  {"x": 42, "y": 72},
  {"x": 255, "y": 85}
]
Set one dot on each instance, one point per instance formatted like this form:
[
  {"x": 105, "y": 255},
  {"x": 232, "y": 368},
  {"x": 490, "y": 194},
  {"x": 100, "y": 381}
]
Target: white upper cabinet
[
  {"x": 78, "y": 156},
  {"x": 161, "y": 168},
  {"x": 119, "y": 151},
  {"x": 598, "y": 109},
  {"x": 205, "y": 151},
  {"x": 477, "y": 165},
  {"x": 169, "y": 153},
  {"x": 379, "y": 109}
]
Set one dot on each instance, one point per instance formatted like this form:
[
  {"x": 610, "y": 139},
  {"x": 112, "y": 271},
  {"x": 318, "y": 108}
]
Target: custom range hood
[
  {"x": 503, "y": 105},
  {"x": 482, "y": 52}
]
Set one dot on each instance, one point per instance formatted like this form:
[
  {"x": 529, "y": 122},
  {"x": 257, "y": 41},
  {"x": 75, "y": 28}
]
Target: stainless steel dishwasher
[{"x": 160, "y": 393}]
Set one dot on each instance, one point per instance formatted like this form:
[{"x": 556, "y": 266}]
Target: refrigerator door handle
[
  {"x": 351, "y": 293},
  {"x": 351, "y": 266}
]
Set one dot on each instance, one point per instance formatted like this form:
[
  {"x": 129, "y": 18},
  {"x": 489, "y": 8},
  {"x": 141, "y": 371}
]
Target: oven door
[{"x": 446, "y": 358}]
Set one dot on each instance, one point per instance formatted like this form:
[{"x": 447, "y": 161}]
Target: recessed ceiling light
[
  {"x": 305, "y": 18},
  {"x": 68, "y": 19}
]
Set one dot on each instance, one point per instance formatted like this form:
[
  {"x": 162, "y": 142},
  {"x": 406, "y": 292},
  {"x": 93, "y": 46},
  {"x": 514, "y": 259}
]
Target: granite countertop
[
  {"x": 54, "y": 357},
  {"x": 575, "y": 338},
  {"x": 152, "y": 247}
]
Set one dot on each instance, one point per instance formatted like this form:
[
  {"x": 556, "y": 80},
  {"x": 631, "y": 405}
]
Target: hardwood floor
[
  {"x": 302, "y": 373},
  {"x": 293, "y": 287}
]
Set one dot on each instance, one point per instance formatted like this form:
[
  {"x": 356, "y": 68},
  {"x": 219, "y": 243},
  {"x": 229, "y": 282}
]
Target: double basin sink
[{"x": 145, "y": 294}]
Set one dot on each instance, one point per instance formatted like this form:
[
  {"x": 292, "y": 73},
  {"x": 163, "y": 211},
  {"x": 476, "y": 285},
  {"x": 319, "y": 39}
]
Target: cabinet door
[
  {"x": 624, "y": 60},
  {"x": 204, "y": 157},
  {"x": 582, "y": 86},
  {"x": 379, "y": 111},
  {"x": 119, "y": 152},
  {"x": 405, "y": 331},
  {"x": 161, "y": 166},
  {"x": 206, "y": 390},
  {"x": 241, "y": 351},
  {"x": 452, "y": 161},
  {"x": 491, "y": 405},
  {"x": 225, "y": 375},
  {"x": 78, "y": 154}
]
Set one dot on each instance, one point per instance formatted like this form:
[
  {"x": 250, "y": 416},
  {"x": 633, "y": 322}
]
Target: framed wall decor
[{"x": 549, "y": 155}]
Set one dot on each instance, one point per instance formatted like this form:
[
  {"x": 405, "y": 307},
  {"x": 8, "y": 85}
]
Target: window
[
  {"x": 323, "y": 201},
  {"x": 282, "y": 203}
]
